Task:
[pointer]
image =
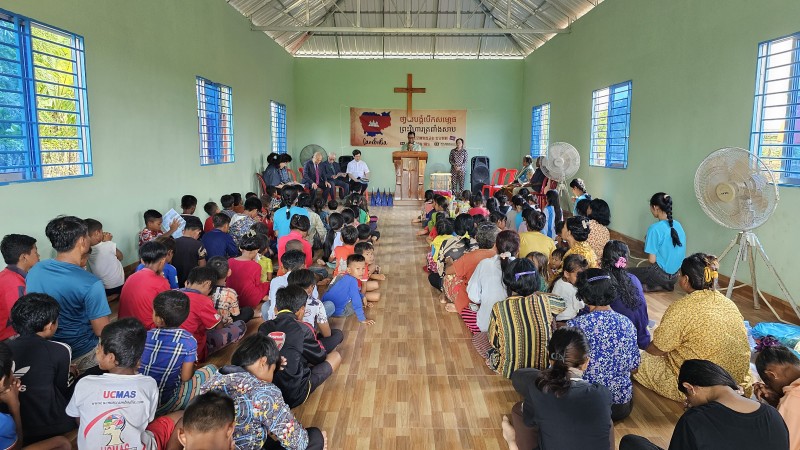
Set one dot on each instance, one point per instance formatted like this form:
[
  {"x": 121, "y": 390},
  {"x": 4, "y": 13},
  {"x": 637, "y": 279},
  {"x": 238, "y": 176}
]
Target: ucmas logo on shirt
[
  {"x": 113, "y": 424},
  {"x": 119, "y": 394}
]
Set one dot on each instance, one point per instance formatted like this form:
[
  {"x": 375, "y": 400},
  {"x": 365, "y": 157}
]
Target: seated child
[
  {"x": 104, "y": 259},
  {"x": 308, "y": 364},
  {"x": 275, "y": 201},
  {"x": 334, "y": 237},
  {"x": 540, "y": 263},
  {"x": 440, "y": 207},
  {"x": 260, "y": 408},
  {"x": 43, "y": 369},
  {"x": 212, "y": 209},
  {"x": 463, "y": 205},
  {"x": 241, "y": 223},
  {"x": 226, "y": 300},
  {"x": 298, "y": 226},
  {"x": 477, "y": 208},
  {"x": 237, "y": 203},
  {"x": 170, "y": 353},
  {"x": 427, "y": 207},
  {"x": 152, "y": 226},
  {"x": 291, "y": 260},
  {"x": 20, "y": 254},
  {"x": 203, "y": 322},
  {"x": 208, "y": 422},
  {"x": 339, "y": 256},
  {"x": 316, "y": 314},
  {"x": 554, "y": 264},
  {"x": 124, "y": 400},
  {"x": 217, "y": 241},
  {"x": 188, "y": 207},
  {"x": 264, "y": 255},
  {"x": 189, "y": 251},
  {"x": 245, "y": 274},
  {"x": 363, "y": 233},
  {"x": 347, "y": 299},
  {"x": 169, "y": 271},
  {"x": 227, "y": 205},
  {"x": 136, "y": 298},
  {"x": 319, "y": 208},
  {"x": 369, "y": 287},
  {"x": 564, "y": 286}
]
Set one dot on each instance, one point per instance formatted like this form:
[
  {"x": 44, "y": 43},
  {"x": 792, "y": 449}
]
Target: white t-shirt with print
[{"x": 114, "y": 410}]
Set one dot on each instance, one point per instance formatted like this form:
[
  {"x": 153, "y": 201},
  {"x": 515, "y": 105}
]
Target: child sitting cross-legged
[
  {"x": 290, "y": 261},
  {"x": 189, "y": 251},
  {"x": 152, "y": 226},
  {"x": 203, "y": 322},
  {"x": 308, "y": 363},
  {"x": 342, "y": 252},
  {"x": 260, "y": 408},
  {"x": 168, "y": 271},
  {"x": 564, "y": 286},
  {"x": 298, "y": 226},
  {"x": 119, "y": 407},
  {"x": 245, "y": 273},
  {"x": 20, "y": 255},
  {"x": 369, "y": 286},
  {"x": 347, "y": 299},
  {"x": 136, "y": 299},
  {"x": 170, "y": 353},
  {"x": 104, "y": 259},
  {"x": 43, "y": 369},
  {"x": 208, "y": 422},
  {"x": 316, "y": 314},
  {"x": 225, "y": 299},
  {"x": 217, "y": 241}
]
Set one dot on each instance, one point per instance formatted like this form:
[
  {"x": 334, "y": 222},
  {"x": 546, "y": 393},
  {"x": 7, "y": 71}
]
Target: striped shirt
[{"x": 165, "y": 351}]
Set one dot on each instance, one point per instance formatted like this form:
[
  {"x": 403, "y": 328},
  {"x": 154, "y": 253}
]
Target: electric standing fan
[
  {"x": 738, "y": 191},
  {"x": 560, "y": 164},
  {"x": 308, "y": 152}
]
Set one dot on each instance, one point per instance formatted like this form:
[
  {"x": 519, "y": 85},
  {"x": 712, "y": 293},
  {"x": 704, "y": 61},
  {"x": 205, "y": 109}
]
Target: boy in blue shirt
[
  {"x": 217, "y": 241},
  {"x": 81, "y": 296},
  {"x": 170, "y": 353},
  {"x": 345, "y": 295}
]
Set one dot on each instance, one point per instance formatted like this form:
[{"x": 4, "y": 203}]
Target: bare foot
[
  {"x": 369, "y": 305},
  {"x": 450, "y": 307},
  {"x": 442, "y": 299},
  {"x": 509, "y": 434},
  {"x": 324, "y": 440}
]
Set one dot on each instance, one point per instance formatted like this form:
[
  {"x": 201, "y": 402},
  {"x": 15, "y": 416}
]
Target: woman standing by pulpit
[{"x": 458, "y": 163}]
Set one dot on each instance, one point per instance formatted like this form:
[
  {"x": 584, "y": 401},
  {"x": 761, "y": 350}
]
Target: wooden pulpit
[{"x": 409, "y": 170}]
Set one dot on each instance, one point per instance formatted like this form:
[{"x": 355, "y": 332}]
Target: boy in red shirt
[
  {"x": 349, "y": 238},
  {"x": 298, "y": 226},
  {"x": 20, "y": 254},
  {"x": 211, "y": 209},
  {"x": 204, "y": 322},
  {"x": 245, "y": 274},
  {"x": 138, "y": 292}
]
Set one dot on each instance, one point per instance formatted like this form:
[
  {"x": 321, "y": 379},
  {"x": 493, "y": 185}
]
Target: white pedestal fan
[
  {"x": 560, "y": 164},
  {"x": 738, "y": 191}
]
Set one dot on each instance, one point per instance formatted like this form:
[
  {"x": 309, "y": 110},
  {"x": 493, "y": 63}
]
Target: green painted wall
[
  {"x": 693, "y": 69},
  {"x": 488, "y": 90},
  {"x": 142, "y": 58}
]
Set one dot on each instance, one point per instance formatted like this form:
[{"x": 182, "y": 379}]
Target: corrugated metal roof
[{"x": 465, "y": 29}]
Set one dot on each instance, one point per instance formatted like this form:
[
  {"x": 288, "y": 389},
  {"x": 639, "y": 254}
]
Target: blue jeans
[{"x": 329, "y": 308}]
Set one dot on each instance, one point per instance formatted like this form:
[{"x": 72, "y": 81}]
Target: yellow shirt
[
  {"x": 583, "y": 249},
  {"x": 705, "y": 325},
  {"x": 535, "y": 241}
]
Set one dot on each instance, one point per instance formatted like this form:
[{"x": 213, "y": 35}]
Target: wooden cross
[{"x": 409, "y": 90}]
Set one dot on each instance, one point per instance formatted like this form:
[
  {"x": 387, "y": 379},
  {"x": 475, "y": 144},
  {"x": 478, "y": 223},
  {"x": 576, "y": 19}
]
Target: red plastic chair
[
  {"x": 261, "y": 184},
  {"x": 497, "y": 177},
  {"x": 541, "y": 197},
  {"x": 511, "y": 174},
  {"x": 294, "y": 175}
]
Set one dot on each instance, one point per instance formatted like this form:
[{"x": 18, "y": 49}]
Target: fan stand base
[
  {"x": 563, "y": 193},
  {"x": 749, "y": 246}
]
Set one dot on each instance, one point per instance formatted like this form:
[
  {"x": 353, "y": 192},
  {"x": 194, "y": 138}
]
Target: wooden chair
[{"x": 488, "y": 190}]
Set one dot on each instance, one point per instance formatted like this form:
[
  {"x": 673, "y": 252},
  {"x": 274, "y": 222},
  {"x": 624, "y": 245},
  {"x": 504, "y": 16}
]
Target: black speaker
[
  {"x": 343, "y": 161},
  {"x": 480, "y": 173}
]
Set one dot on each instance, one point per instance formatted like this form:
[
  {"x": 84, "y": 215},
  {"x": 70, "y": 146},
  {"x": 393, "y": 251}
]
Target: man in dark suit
[
  {"x": 314, "y": 177},
  {"x": 335, "y": 176}
]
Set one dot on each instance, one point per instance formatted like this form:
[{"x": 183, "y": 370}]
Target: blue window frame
[
  {"x": 278, "y": 121},
  {"x": 775, "y": 133},
  {"x": 215, "y": 122},
  {"x": 44, "y": 116},
  {"x": 611, "y": 125},
  {"x": 540, "y": 129}
]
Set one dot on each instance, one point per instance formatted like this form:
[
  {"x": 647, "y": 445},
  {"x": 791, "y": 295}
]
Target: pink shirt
[
  {"x": 789, "y": 407},
  {"x": 478, "y": 210}
]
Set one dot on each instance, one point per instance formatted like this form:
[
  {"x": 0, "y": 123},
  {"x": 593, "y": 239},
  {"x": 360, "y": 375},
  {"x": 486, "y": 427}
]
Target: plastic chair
[
  {"x": 261, "y": 184},
  {"x": 294, "y": 175},
  {"x": 497, "y": 178},
  {"x": 511, "y": 174},
  {"x": 541, "y": 197}
]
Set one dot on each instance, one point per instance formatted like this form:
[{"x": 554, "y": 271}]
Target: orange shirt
[
  {"x": 340, "y": 257},
  {"x": 465, "y": 267}
]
